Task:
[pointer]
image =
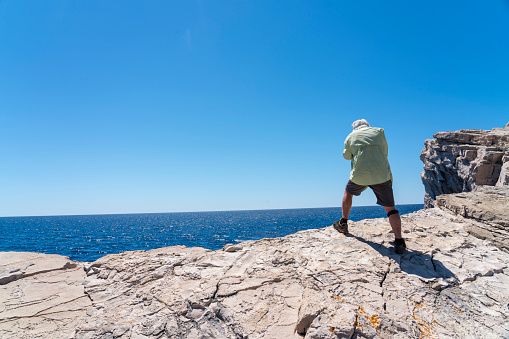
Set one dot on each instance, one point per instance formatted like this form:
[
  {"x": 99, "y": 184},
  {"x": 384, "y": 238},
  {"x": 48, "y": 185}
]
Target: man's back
[{"x": 367, "y": 148}]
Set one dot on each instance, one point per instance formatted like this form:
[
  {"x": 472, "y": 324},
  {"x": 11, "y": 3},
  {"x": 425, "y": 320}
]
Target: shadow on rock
[{"x": 412, "y": 262}]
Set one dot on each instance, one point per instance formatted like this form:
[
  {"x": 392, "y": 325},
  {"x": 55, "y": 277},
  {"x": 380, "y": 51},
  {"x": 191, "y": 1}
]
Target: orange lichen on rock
[
  {"x": 425, "y": 328},
  {"x": 374, "y": 320},
  {"x": 337, "y": 297}
]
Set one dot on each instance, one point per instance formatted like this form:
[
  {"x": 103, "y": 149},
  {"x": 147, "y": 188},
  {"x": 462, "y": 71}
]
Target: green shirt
[{"x": 367, "y": 148}]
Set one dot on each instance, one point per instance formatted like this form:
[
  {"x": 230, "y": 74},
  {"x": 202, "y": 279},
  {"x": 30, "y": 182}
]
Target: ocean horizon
[
  {"x": 91, "y": 236},
  {"x": 204, "y": 211}
]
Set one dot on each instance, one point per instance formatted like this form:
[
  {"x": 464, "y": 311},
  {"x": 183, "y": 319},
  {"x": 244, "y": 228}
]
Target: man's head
[{"x": 360, "y": 123}]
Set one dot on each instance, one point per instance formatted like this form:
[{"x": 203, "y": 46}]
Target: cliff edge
[{"x": 456, "y": 162}]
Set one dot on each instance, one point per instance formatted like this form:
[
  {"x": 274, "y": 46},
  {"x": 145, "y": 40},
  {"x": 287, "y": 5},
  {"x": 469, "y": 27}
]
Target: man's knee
[{"x": 391, "y": 212}]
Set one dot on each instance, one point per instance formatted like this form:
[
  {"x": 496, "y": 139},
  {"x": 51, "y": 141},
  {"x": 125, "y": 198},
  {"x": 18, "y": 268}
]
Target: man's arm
[
  {"x": 346, "y": 152},
  {"x": 384, "y": 146}
]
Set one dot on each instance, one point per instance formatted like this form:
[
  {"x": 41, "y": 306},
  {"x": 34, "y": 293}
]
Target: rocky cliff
[
  {"x": 312, "y": 284},
  {"x": 459, "y": 161}
]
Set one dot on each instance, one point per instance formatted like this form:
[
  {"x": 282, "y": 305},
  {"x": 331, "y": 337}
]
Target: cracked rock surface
[
  {"x": 489, "y": 205},
  {"x": 41, "y": 295},
  {"x": 311, "y": 284}
]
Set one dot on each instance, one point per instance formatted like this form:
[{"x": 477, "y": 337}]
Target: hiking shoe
[
  {"x": 400, "y": 246},
  {"x": 341, "y": 226}
]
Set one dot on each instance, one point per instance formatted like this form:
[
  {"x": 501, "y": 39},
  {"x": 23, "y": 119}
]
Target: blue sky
[{"x": 162, "y": 106}]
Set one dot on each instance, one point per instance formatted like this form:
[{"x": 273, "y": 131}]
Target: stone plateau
[{"x": 311, "y": 284}]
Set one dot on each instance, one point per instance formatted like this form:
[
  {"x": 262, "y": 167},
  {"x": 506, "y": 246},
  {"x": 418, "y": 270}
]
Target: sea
[{"x": 89, "y": 237}]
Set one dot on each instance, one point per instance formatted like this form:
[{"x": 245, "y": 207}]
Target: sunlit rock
[
  {"x": 456, "y": 162},
  {"x": 311, "y": 284}
]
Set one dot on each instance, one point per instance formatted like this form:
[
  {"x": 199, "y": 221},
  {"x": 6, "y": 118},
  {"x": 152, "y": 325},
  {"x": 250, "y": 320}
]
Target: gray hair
[{"x": 359, "y": 123}]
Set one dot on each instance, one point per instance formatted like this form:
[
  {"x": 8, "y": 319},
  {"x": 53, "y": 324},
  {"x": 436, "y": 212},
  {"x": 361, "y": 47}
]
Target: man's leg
[
  {"x": 351, "y": 189},
  {"x": 394, "y": 220},
  {"x": 385, "y": 198},
  {"x": 346, "y": 205}
]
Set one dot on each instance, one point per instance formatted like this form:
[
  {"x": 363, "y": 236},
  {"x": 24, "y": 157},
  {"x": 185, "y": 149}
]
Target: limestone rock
[
  {"x": 489, "y": 205},
  {"x": 41, "y": 295},
  {"x": 311, "y": 284},
  {"x": 459, "y": 161}
]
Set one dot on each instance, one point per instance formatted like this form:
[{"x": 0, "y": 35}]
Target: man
[{"x": 367, "y": 149}]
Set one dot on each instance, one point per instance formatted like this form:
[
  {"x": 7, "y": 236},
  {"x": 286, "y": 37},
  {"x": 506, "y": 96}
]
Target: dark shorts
[{"x": 383, "y": 192}]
